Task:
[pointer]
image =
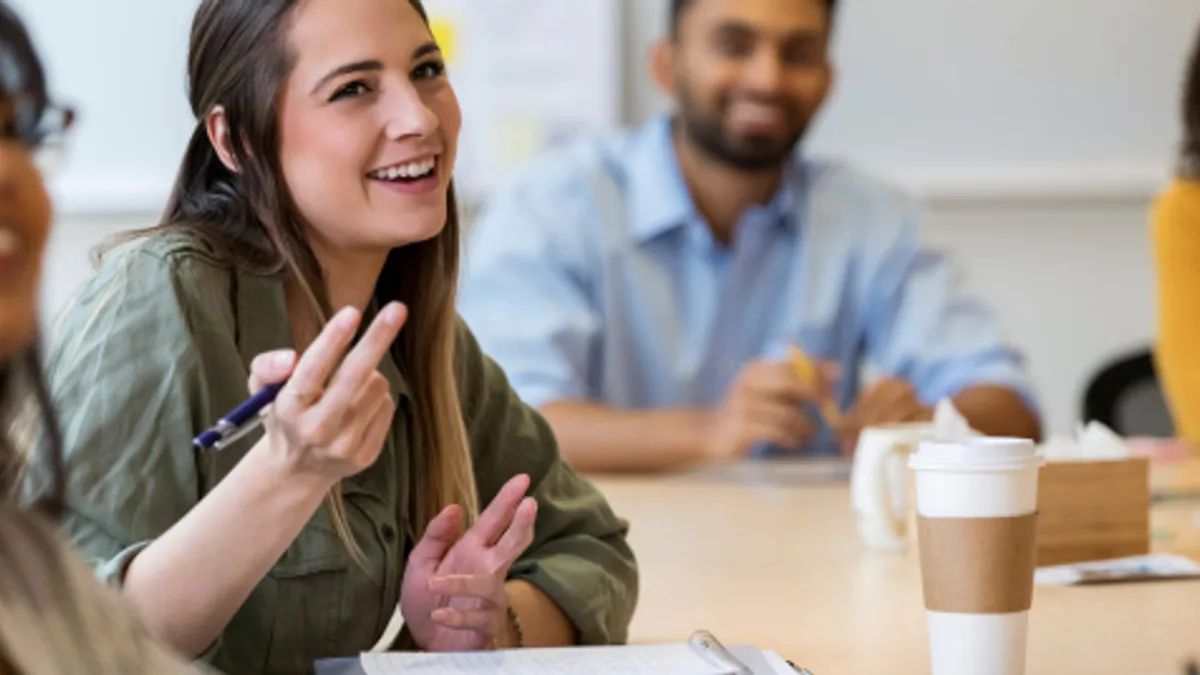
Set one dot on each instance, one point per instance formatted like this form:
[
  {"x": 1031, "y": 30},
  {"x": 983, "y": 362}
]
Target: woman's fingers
[
  {"x": 363, "y": 360},
  {"x": 467, "y": 619},
  {"x": 318, "y": 363},
  {"x": 481, "y": 586},
  {"x": 499, "y": 514},
  {"x": 442, "y": 533},
  {"x": 271, "y": 368},
  {"x": 378, "y": 428},
  {"x": 373, "y": 403},
  {"x": 324, "y": 420},
  {"x": 519, "y": 535}
]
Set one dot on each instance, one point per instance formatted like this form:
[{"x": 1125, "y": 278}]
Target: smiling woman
[{"x": 312, "y": 242}]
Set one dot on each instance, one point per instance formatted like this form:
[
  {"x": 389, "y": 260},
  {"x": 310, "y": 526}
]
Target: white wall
[
  {"x": 1060, "y": 248},
  {"x": 1071, "y": 279},
  {"x": 946, "y": 95},
  {"x": 954, "y": 96}
]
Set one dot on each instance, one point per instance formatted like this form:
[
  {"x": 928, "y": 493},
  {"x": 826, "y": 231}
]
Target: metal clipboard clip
[{"x": 710, "y": 648}]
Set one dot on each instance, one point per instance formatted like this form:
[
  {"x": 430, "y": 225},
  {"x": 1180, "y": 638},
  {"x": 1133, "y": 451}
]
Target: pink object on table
[{"x": 1162, "y": 449}]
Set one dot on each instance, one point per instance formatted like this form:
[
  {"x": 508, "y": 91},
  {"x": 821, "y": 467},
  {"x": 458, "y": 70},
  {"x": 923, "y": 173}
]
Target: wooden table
[{"x": 770, "y": 555}]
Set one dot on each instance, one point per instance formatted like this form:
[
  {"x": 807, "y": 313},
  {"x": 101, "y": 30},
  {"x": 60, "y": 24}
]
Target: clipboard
[
  {"x": 708, "y": 652},
  {"x": 710, "y": 648}
]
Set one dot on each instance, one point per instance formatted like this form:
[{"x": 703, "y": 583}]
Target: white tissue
[
  {"x": 1060, "y": 447},
  {"x": 949, "y": 424},
  {"x": 1097, "y": 441},
  {"x": 1091, "y": 441}
]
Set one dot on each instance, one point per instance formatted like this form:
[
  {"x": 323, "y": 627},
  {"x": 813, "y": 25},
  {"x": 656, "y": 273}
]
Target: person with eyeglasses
[{"x": 55, "y": 617}]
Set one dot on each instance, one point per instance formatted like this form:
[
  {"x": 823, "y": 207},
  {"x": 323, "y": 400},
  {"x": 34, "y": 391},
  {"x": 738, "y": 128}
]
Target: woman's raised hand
[{"x": 331, "y": 417}]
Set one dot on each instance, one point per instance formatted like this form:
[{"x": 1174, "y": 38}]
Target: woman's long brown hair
[{"x": 239, "y": 59}]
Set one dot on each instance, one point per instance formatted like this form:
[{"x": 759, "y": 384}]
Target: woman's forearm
[
  {"x": 188, "y": 584},
  {"x": 543, "y": 624}
]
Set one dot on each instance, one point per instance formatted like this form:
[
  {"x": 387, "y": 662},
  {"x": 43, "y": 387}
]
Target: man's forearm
[
  {"x": 596, "y": 438},
  {"x": 998, "y": 411}
]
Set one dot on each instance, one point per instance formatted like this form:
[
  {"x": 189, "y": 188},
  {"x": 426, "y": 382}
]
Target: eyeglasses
[
  {"x": 50, "y": 129},
  {"x": 47, "y": 139},
  {"x": 41, "y": 128},
  {"x": 31, "y": 122}
]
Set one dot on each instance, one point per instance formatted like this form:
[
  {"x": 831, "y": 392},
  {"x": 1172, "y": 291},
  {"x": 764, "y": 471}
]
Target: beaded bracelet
[{"x": 515, "y": 622}]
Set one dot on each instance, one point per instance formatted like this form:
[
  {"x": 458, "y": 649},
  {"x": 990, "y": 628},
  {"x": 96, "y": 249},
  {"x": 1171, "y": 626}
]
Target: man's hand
[
  {"x": 765, "y": 404},
  {"x": 888, "y": 401}
]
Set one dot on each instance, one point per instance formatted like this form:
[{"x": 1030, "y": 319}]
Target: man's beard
[{"x": 751, "y": 152}]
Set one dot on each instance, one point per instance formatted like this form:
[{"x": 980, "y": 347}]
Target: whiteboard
[
  {"x": 530, "y": 75},
  {"x": 123, "y": 64},
  {"x": 987, "y": 95}
]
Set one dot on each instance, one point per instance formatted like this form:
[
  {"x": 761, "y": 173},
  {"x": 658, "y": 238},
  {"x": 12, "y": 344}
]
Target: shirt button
[{"x": 389, "y": 533}]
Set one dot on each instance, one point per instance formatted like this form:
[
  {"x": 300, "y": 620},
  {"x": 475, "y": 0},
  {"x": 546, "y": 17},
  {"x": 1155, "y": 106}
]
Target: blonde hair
[{"x": 55, "y": 618}]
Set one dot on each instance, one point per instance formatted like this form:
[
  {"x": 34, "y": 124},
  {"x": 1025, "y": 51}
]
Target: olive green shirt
[{"x": 157, "y": 347}]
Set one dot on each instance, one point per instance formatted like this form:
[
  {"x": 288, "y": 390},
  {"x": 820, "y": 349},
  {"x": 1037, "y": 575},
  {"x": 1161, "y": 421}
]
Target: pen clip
[
  {"x": 241, "y": 432},
  {"x": 708, "y": 646}
]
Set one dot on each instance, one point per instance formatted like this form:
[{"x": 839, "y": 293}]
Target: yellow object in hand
[{"x": 806, "y": 370}]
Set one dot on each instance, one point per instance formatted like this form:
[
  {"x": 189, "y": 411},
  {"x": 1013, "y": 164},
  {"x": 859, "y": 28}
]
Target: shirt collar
[{"x": 659, "y": 196}]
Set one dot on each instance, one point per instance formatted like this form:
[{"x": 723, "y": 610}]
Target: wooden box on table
[{"x": 1093, "y": 510}]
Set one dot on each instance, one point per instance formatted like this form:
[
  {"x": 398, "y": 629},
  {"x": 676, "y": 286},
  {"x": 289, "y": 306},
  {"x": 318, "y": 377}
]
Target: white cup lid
[{"x": 983, "y": 453}]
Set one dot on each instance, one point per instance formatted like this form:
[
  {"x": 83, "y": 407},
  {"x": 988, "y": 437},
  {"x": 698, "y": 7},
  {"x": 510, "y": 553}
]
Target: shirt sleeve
[
  {"x": 579, "y": 557},
  {"x": 526, "y": 295},
  {"x": 1176, "y": 245},
  {"x": 127, "y": 380},
  {"x": 926, "y": 325}
]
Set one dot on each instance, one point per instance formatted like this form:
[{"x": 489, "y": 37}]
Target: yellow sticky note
[{"x": 445, "y": 33}]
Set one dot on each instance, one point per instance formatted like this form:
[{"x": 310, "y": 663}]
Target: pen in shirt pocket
[{"x": 239, "y": 422}]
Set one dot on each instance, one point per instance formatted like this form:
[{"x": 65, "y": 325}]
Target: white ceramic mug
[{"x": 880, "y": 484}]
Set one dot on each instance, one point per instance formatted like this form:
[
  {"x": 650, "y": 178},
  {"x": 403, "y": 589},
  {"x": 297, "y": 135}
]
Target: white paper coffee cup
[{"x": 977, "y": 510}]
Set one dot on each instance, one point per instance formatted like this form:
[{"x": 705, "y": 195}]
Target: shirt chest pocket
[{"x": 307, "y": 599}]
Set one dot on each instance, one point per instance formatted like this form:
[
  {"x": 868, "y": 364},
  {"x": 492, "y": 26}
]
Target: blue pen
[{"x": 238, "y": 423}]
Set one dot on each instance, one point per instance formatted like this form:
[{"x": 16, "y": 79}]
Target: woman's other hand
[{"x": 453, "y": 597}]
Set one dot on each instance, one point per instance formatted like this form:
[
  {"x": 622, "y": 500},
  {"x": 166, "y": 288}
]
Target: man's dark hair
[{"x": 677, "y": 7}]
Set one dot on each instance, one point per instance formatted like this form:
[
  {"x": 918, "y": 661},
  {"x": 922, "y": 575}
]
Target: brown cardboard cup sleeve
[{"x": 978, "y": 565}]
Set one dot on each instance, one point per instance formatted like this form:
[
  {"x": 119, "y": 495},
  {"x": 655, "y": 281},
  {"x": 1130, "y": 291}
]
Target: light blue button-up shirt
[{"x": 592, "y": 276}]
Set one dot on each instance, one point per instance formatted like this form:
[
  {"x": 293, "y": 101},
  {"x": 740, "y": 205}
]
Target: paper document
[
  {"x": 677, "y": 659},
  {"x": 1157, "y": 567}
]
